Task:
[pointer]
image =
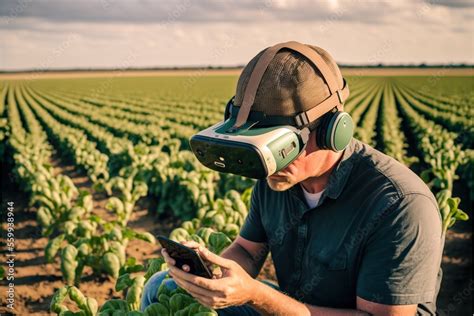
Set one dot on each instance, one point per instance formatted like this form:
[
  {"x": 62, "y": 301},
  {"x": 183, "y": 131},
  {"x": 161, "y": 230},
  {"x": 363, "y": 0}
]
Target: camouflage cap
[{"x": 290, "y": 84}]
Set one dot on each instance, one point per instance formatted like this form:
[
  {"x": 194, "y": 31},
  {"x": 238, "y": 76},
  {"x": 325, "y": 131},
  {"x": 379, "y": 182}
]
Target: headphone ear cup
[
  {"x": 228, "y": 108},
  {"x": 339, "y": 131}
]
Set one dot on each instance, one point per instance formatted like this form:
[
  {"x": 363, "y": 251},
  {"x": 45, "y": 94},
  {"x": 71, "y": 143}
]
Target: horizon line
[{"x": 165, "y": 68}]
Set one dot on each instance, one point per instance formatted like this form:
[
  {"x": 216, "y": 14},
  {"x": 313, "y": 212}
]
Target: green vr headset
[{"x": 256, "y": 145}]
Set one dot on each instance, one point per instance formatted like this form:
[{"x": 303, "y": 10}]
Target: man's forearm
[
  {"x": 244, "y": 259},
  {"x": 268, "y": 301}
]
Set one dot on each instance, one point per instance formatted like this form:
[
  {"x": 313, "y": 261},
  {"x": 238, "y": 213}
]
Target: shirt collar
[
  {"x": 338, "y": 177},
  {"x": 340, "y": 174}
]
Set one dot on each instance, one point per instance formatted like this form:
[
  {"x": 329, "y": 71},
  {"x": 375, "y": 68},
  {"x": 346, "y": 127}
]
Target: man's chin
[{"x": 280, "y": 184}]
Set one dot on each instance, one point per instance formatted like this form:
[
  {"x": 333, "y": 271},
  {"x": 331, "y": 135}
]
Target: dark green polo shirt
[{"x": 376, "y": 233}]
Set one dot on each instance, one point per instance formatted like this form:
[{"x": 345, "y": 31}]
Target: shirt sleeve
[
  {"x": 401, "y": 260},
  {"x": 252, "y": 229}
]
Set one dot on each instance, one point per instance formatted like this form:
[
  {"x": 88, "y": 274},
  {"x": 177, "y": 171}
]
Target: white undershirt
[{"x": 312, "y": 198}]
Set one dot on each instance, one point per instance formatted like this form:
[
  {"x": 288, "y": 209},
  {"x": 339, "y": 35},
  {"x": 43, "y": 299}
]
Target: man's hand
[{"x": 234, "y": 287}]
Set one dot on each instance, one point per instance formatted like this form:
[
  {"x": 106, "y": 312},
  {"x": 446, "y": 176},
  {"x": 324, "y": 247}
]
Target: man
[{"x": 350, "y": 233}]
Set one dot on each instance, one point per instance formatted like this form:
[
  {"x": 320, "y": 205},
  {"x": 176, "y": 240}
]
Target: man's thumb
[{"x": 213, "y": 258}]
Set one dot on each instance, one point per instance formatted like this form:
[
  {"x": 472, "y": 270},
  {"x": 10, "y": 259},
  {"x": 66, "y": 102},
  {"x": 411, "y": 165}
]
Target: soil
[
  {"x": 36, "y": 281},
  {"x": 455, "y": 296}
]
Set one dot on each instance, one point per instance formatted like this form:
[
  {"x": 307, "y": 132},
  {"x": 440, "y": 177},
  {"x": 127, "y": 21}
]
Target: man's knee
[{"x": 150, "y": 290}]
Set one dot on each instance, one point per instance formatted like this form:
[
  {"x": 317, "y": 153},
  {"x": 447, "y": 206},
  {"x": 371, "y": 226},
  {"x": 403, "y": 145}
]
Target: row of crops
[{"x": 131, "y": 140}]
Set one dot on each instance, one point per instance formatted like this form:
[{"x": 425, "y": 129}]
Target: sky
[{"x": 55, "y": 34}]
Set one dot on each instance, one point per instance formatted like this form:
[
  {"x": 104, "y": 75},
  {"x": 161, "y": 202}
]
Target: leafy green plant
[
  {"x": 93, "y": 242},
  {"x": 448, "y": 206},
  {"x": 54, "y": 214},
  {"x": 87, "y": 306},
  {"x": 442, "y": 154}
]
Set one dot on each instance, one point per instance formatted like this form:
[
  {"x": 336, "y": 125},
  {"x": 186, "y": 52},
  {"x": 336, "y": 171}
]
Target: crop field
[{"x": 94, "y": 168}]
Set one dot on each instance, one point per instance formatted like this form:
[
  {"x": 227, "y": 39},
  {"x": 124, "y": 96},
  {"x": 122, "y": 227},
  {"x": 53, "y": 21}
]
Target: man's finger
[
  {"x": 213, "y": 258},
  {"x": 197, "y": 280},
  {"x": 170, "y": 261},
  {"x": 217, "y": 273},
  {"x": 179, "y": 282},
  {"x": 203, "y": 300},
  {"x": 191, "y": 244},
  {"x": 209, "y": 302},
  {"x": 196, "y": 290}
]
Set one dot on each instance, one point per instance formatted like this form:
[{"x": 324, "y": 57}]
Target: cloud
[
  {"x": 452, "y": 3},
  {"x": 94, "y": 33},
  {"x": 192, "y": 11},
  {"x": 12, "y": 13}
]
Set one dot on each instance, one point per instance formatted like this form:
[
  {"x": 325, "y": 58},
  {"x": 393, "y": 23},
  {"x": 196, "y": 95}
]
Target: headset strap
[
  {"x": 336, "y": 98},
  {"x": 301, "y": 119}
]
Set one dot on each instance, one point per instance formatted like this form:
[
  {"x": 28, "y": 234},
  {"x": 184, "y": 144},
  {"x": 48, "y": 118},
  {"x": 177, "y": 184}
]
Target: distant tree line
[{"x": 380, "y": 65}]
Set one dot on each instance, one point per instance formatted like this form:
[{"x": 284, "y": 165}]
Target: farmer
[{"x": 351, "y": 232}]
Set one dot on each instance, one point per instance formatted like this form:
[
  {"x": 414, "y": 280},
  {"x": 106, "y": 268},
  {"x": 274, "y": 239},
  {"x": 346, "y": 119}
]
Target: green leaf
[
  {"x": 177, "y": 302},
  {"x": 425, "y": 175},
  {"x": 77, "y": 297},
  {"x": 179, "y": 234},
  {"x": 69, "y": 263},
  {"x": 156, "y": 309},
  {"x": 461, "y": 215},
  {"x": 123, "y": 282},
  {"x": 164, "y": 299},
  {"x": 154, "y": 265},
  {"x": 134, "y": 293},
  {"x": 218, "y": 242},
  {"x": 91, "y": 306},
  {"x": 53, "y": 247},
  {"x": 111, "y": 264},
  {"x": 57, "y": 300},
  {"x": 115, "y": 304},
  {"x": 146, "y": 236},
  {"x": 131, "y": 261},
  {"x": 163, "y": 289}
]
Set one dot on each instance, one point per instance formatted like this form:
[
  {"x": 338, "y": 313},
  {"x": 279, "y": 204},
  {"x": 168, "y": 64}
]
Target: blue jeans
[{"x": 151, "y": 289}]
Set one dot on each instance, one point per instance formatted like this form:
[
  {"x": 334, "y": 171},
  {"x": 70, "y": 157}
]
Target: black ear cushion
[
  {"x": 322, "y": 130},
  {"x": 228, "y": 108}
]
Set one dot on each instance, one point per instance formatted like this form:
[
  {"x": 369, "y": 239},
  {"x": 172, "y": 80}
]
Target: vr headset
[{"x": 255, "y": 145}]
